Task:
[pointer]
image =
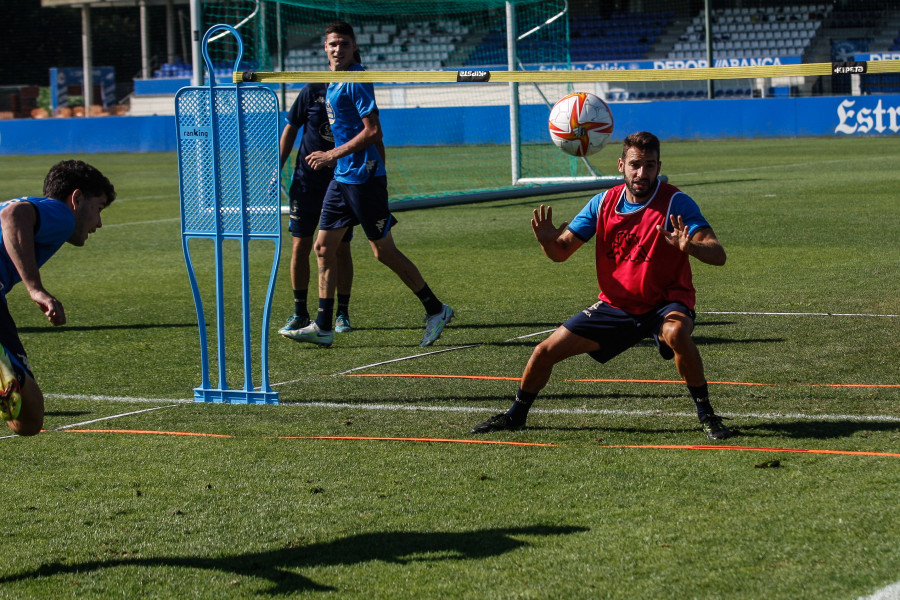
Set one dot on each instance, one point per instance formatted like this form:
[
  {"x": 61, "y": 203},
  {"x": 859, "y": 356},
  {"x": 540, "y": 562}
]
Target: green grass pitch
[{"x": 805, "y": 310}]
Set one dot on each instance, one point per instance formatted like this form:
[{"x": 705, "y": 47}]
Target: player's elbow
[{"x": 719, "y": 258}]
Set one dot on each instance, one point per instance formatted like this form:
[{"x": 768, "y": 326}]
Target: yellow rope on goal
[{"x": 483, "y": 75}]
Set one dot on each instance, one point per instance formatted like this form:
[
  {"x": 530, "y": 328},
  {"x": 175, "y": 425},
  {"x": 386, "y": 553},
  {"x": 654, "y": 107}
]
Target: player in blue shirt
[
  {"x": 306, "y": 194},
  {"x": 358, "y": 193},
  {"x": 32, "y": 229}
]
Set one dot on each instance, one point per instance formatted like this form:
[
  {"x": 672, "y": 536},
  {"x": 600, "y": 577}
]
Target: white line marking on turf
[
  {"x": 113, "y": 398},
  {"x": 108, "y": 398},
  {"x": 528, "y": 335},
  {"x": 143, "y": 222},
  {"x": 412, "y": 356},
  {"x": 794, "y": 314},
  {"x": 128, "y": 414},
  {"x": 393, "y": 360},
  {"x": 891, "y": 592}
]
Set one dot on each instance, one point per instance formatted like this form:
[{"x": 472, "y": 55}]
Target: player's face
[
  {"x": 87, "y": 217},
  {"x": 640, "y": 170},
  {"x": 340, "y": 50}
]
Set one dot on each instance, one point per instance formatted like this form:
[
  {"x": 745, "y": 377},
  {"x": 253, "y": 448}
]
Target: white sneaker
[{"x": 312, "y": 334}]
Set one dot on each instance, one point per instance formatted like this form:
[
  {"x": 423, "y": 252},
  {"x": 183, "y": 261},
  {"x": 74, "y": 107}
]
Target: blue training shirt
[
  {"x": 54, "y": 226},
  {"x": 347, "y": 103},
  {"x": 584, "y": 225}
]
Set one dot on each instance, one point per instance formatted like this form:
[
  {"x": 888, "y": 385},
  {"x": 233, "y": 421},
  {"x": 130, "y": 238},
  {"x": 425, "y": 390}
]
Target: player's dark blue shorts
[
  {"x": 365, "y": 204},
  {"x": 616, "y": 330},
  {"x": 306, "y": 207},
  {"x": 9, "y": 338}
]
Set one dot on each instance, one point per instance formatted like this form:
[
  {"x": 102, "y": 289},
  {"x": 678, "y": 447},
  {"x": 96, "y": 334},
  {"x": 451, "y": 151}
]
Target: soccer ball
[{"x": 580, "y": 124}]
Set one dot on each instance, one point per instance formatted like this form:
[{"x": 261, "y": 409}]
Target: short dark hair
[
  {"x": 644, "y": 141},
  {"x": 69, "y": 175},
  {"x": 344, "y": 28}
]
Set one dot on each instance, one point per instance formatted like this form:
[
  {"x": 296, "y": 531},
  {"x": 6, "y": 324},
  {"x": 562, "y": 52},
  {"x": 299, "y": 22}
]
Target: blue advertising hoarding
[{"x": 672, "y": 120}]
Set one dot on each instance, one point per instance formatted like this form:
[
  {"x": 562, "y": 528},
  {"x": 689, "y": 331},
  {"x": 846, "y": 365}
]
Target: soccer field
[{"x": 366, "y": 483}]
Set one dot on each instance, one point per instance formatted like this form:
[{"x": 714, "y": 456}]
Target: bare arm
[
  {"x": 558, "y": 243},
  {"x": 286, "y": 144},
  {"x": 17, "y": 221},
  {"x": 704, "y": 245},
  {"x": 370, "y": 134}
]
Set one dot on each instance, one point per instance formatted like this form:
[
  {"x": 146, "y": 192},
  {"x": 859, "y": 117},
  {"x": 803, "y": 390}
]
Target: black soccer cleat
[
  {"x": 714, "y": 429},
  {"x": 501, "y": 422}
]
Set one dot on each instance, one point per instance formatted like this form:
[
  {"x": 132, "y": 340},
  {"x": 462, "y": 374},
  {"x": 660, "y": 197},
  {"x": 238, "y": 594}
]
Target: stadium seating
[
  {"x": 420, "y": 46},
  {"x": 592, "y": 37},
  {"x": 753, "y": 32}
]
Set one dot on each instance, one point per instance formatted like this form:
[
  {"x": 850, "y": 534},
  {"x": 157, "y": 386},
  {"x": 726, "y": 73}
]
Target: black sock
[
  {"x": 325, "y": 314},
  {"x": 300, "y": 303},
  {"x": 432, "y": 305},
  {"x": 518, "y": 412},
  {"x": 343, "y": 305},
  {"x": 700, "y": 395}
]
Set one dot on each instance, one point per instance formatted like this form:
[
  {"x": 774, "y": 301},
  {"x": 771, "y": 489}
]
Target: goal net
[{"x": 461, "y": 141}]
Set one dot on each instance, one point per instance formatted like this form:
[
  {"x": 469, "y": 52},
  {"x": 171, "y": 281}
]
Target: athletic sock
[
  {"x": 300, "y": 303},
  {"x": 343, "y": 305},
  {"x": 432, "y": 305},
  {"x": 17, "y": 367},
  {"x": 325, "y": 314},
  {"x": 518, "y": 412},
  {"x": 700, "y": 395}
]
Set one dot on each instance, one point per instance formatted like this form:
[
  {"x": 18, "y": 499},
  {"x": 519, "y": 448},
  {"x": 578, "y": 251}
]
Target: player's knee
[
  {"x": 542, "y": 355},
  {"x": 677, "y": 334},
  {"x": 26, "y": 428},
  {"x": 386, "y": 254},
  {"x": 322, "y": 250}
]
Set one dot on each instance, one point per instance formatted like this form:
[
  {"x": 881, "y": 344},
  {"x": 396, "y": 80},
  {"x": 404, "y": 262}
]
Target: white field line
[
  {"x": 115, "y": 398},
  {"x": 794, "y": 314},
  {"x": 759, "y": 168},
  {"x": 780, "y": 416},
  {"x": 128, "y": 414},
  {"x": 413, "y": 356},
  {"x": 142, "y": 222},
  {"x": 891, "y": 592},
  {"x": 107, "y": 398}
]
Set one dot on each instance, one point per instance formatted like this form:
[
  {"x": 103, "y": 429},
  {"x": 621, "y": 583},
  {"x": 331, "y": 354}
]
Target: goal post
[{"x": 446, "y": 142}]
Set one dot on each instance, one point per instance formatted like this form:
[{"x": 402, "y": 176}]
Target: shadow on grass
[
  {"x": 67, "y": 413},
  {"x": 277, "y": 566},
  {"x": 65, "y": 328},
  {"x": 820, "y": 430}
]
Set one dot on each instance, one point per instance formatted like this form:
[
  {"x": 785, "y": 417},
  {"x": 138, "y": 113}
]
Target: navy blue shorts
[
  {"x": 9, "y": 338},
  {"x": 365, "y": 204},
  {"x": 306, "y": 208},
  {"x": 616, "y": 330}
]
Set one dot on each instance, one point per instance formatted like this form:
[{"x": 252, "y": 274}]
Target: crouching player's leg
[{"x": 21, "y": 400}]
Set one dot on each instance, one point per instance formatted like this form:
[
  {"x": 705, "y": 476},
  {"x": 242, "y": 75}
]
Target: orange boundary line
[
  {"x": 145, "y": 432},
  {"x": 748, "y": 383},
  {"x": 432, "y": 376},
  {"x": 755, "y": 449},
  {"x": 393, "y": 439}
]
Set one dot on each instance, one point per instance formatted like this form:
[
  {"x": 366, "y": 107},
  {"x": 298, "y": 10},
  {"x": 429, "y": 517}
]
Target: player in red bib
[{"x": 646, "y": 233}]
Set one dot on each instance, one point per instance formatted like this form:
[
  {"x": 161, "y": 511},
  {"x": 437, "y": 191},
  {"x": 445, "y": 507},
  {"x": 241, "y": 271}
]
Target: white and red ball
[{"x": 580, "y": 124}]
